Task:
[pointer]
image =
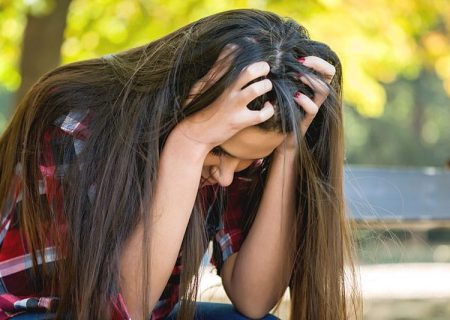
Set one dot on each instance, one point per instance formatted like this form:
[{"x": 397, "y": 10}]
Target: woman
[{"x": 116, "y": 172}]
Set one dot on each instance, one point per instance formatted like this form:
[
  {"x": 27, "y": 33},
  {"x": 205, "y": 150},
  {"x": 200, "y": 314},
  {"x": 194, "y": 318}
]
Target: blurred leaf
[{"x": 377, "y": 40}]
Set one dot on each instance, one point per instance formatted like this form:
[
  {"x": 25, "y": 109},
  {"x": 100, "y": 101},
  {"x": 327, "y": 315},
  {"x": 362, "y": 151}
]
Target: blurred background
[{"x": 396, "y": 62}]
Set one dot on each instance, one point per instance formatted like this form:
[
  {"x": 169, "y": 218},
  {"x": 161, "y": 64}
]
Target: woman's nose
[{"x": 224, "y": 172}]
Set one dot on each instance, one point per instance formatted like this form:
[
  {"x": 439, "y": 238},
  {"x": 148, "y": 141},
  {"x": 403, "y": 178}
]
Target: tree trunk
[
  {"x": 41, "y": 46},
  {"x": 418, "y": 112}
]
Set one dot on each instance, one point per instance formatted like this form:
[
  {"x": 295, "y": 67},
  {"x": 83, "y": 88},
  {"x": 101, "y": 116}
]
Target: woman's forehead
[{"x": 253, "y": 143}]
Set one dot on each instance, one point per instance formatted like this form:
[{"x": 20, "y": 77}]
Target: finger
[
  {"x": 195, "y": 90},
  {"x": 219, "y": 68},
  {"x": 255, "y": 90},
  {"x": 326, "y": 69},
  {"x": 222, "y": 64},
  {"x": 320, "y": 88},
  {"x": 310, "y": 108},
  {"x": 250, "y": 73},
  {"x": 253, "y": 117}
]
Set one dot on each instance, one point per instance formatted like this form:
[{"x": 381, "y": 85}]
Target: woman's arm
[
  {"x": 257, "y": 276},
  {"x": 178, "y": 180}
]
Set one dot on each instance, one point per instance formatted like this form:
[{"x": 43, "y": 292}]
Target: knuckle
[
  {"x": 319, "y": 101},
  {"x": 311, "y": 109},
  {"x": 256, "y": 69},
  {"x": 311, "y": 114},
  {"x": 251, "y": 71},
  {"x": 253, "y": 90},
  {"x": 261, "y": 117},
  {"x": 264, "y": 66},
  {"x": 267, "y": 85},
  {"x": 333, "y": 70},
  {"x": 323, "y": 90},
  {"x": 234, "y": 123}
]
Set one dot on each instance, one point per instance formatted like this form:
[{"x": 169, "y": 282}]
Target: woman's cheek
[
  {"x": 211, "y": 160},
  {"x": 244, "y": 164}
]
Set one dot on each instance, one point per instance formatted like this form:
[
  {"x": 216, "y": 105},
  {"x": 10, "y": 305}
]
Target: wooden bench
[
  {"x": 416, "y": 198},
  {"x": 380, "y": 198}
]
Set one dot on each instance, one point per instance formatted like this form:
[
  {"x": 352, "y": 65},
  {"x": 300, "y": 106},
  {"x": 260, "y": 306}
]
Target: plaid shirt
[{"x": 17, "y": 292}]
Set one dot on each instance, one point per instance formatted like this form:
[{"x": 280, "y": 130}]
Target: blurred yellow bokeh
[{"x": 377, "y": 40}]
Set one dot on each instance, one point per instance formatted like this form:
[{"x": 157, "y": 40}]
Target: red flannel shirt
[{"x": 18, "y": 295}]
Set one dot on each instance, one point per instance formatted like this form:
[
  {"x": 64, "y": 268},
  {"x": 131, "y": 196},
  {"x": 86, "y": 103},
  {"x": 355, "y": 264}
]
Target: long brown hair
[{"x": 136, "y": 99}]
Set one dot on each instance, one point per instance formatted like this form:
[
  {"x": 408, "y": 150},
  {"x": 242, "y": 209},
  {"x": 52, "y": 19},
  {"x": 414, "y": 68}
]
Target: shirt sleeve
[
  {"x": 62, "y": 145},
  {"x": 15, "y": 258},
  {"x": 229, "y": 235}
]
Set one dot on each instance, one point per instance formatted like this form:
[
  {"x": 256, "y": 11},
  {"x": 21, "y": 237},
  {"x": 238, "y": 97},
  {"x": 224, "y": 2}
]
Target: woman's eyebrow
[{"x": 233, "y": 156}]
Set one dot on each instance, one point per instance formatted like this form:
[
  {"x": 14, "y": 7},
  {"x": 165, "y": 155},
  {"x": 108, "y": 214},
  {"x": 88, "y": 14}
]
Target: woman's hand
[
  {"x": 228, "y": 114},
  {"x": 311, "y": 106}
]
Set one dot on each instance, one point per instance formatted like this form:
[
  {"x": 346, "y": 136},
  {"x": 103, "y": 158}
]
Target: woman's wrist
[
  {"x": 185, "y": 147},
  {"x": 285, "y": 150}
]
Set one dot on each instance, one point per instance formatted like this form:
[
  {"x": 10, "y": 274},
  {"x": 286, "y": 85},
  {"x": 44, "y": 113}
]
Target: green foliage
[
  {"x": 12, "y": 22},
  {"x": 394, "y": 139},
  {"x": 378, "y": 40},
  {"x": 385, "y": 46},
  {"x": 104, "y": 26}
]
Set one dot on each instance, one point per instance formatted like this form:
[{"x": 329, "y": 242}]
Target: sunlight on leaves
[{"x": 377, "y": 40}]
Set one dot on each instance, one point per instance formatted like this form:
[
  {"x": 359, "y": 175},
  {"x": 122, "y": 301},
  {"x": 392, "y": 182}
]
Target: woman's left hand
[{"x": 311, "y": 106}]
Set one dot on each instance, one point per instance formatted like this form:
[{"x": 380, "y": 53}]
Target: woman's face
[{"x": 238, "y": 153}]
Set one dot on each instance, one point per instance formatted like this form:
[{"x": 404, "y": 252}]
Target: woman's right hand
[{"x": 228, "y": 114}]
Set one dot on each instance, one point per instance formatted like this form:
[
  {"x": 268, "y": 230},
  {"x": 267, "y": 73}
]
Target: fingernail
[
  {"x": 301, "y": 59},
  {"x": 297, "y": 95}
]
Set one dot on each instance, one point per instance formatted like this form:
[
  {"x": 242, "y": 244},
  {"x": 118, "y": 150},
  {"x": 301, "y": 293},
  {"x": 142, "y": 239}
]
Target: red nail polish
[
  {"x": 301, "y": 59},
  {"x": 297, "y": 94}
]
